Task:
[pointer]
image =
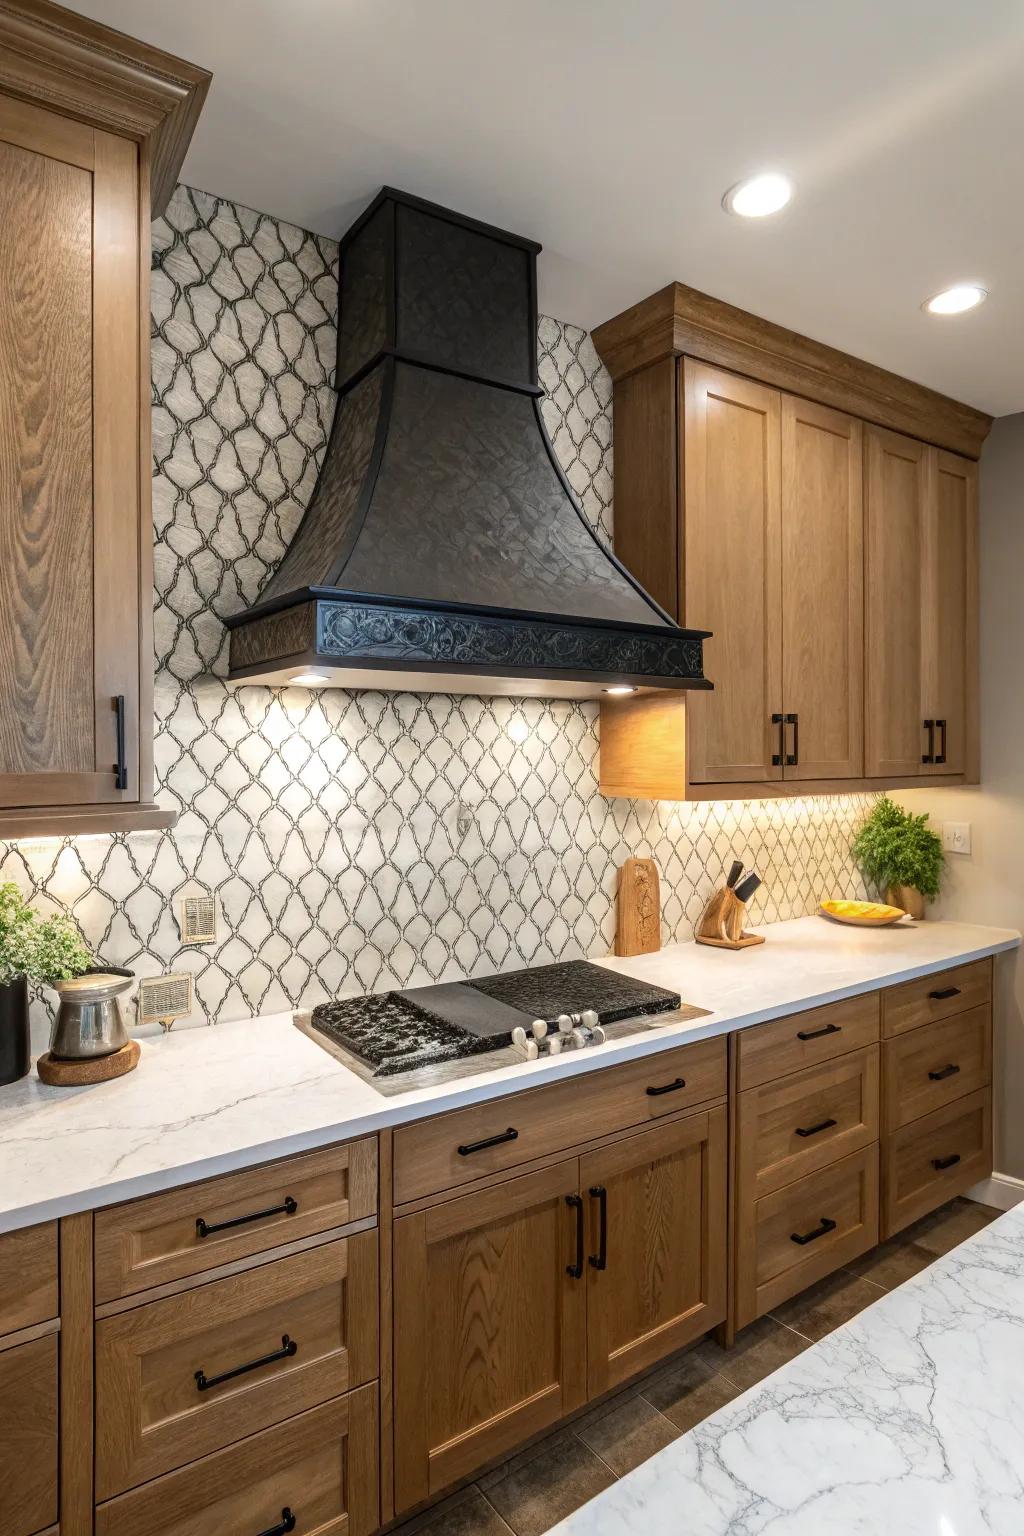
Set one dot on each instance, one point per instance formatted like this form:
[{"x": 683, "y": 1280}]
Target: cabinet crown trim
[{"x": 681, "y": 321}]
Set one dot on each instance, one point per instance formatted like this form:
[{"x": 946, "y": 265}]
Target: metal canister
[{"x": 90, "y": 1021}]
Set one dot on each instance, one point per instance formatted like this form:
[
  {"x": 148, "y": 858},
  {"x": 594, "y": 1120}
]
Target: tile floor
[{"x": 530, "y": 1493}]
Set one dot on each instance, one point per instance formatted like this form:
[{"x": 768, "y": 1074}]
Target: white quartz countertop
[
  {"x": 907, "y": 1421},
  {"x": 206, "y": 1101}
]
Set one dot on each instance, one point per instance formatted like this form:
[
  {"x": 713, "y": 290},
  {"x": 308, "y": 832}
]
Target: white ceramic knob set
[{"x": 571, "y": 1032}]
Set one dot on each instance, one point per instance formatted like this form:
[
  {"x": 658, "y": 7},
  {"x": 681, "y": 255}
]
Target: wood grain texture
[
  {"x": 44, "y": 133},
  {"x": 823, "y": 590},
  {"x": 732, "y": 558},
  {"x": 771, "y": 1266},
  {"x": 768, "y": 1051},
  {"x": 76, "y": 1375},
  {"x": 85, "y": 70},
  {"x": 427, "y": 1159},
  {"x": 638, "y": 908},
  {"x": 678, "y": 320},
  {"x": 665, "y": 1280},
  {"x": 647, "y": 500},
  {"x": 73, "y": 820},
  {"x": 949, "y": 563},
  {"x": 897, "y": 483},
  {"x": 912, "y": 1185},
  {"x": 387, "y": 1330},
  {"x": 46, "y": 541},
  {"x": 28, "y": 1436},
  {"x": 154, "y": 1240},
  {"x": 490, "y": 1328},
  {"x": 321, "y": 1465},
  {"x": 28, "y": 1277},
  {"x": 150, "y": 1416},
  {"x": 643, "y": 746},
  {"x": 963, "y": 1041},
  {"x": 913, "y": 1002},
  {"x": 771, "y": 1151}
]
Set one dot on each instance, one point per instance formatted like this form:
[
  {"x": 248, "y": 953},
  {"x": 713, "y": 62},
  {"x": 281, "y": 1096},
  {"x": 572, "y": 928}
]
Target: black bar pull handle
[
  {"x": 656, "y": 1093},
  {"x": 121, "y": 766},
  {"x": 600, "y": 1261},
  {"x": 812, "y": 1130},
  {"x": 205, "y": 1228},
  {"x": 816, "y": 1034},
  {"x": 944, "y": 1072},
  {"x": 469, "y": 1147},
  {"x": 575, "y": 1202},
  {"x": 778, "y": 756},
  {"x": 945, "y": 1162},
  {"x": 827, "y": 1225},
  {"x": 944, "y": 992},
  {"x": 940, "y": 756},
  {"x": 929, "y": 756},
  {"x": 288, "y": 1348},
  {"x": 792, "y": 758},
  {"x": 287, "y": 1524}
]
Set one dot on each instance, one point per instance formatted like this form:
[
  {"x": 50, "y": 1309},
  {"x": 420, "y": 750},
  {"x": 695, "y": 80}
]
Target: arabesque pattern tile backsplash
[{"x": 326, "y": 822}]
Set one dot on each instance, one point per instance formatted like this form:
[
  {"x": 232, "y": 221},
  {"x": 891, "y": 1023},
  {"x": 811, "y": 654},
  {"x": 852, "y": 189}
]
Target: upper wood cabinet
[
  {"x": 86, "y": 119},
  {"x": 833, "y": 558},
  {"x": 921, "y": 577}
]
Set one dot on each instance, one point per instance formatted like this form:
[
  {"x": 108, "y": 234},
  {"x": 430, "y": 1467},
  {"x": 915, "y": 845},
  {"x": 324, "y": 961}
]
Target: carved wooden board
[{"x": 638, "y": 929}]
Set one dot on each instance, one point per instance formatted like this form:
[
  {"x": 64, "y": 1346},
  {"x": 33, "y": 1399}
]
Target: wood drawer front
[
  {"x": 152, "y": 1416},
  {"x": 806, "y": 1039},
  {"x": 845, "y": 1193},
  {"x": 928, "y": 998},
  {"x": 784, "y": 1126},
  {"x": 28, "y": 1436},
  {"x": 918, "y": 1075},
  {"x": 28, "y": 1277},
  {"x": 321, "y": 1466},
  {"x": 917, "y": 1172},
  {"x": 151, "y": 1241},
  {"x": 549, "y": 1120}
]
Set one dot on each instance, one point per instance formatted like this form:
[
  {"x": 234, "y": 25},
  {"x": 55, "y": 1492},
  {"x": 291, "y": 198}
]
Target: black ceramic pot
[{"x": 15, "y": 1051}]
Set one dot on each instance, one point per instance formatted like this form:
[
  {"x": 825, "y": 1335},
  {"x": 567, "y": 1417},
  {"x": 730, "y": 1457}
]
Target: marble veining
[
  {"x": 207, "y": 1101},
  {"x": 909, "y": 1419}
]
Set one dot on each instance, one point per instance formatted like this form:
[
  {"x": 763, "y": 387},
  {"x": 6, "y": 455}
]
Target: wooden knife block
[{"x": 722, "y": 923}]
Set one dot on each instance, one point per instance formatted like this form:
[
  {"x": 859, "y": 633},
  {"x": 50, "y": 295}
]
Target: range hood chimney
[{"x": 443, "y": 549}]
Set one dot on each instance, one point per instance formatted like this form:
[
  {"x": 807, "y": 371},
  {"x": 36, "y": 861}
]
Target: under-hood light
[
  {"x": 309, "y": 680},
  {"x": 617, "y": 688}
]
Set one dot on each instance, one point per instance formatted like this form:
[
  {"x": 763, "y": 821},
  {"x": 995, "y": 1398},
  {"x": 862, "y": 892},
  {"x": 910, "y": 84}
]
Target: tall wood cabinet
[
  {"x": 833, "y": 558},
  {"x": 87, "y": 120}
]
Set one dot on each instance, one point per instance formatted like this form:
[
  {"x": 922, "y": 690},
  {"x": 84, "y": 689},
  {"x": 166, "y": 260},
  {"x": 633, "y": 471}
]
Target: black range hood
[{"x": 443, "y": 548}]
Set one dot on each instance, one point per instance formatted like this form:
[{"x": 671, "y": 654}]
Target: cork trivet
[{"x": 97, "y": 1069}]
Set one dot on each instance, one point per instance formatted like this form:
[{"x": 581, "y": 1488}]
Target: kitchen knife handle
[
  {"x": 777, "y": 756},
  {"x": 747, "y": 886},
  {"x": 734, "y": 873}
]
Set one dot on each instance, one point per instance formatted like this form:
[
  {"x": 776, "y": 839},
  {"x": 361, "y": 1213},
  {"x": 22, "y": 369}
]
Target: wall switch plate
[{"x": 956, "y": 836}]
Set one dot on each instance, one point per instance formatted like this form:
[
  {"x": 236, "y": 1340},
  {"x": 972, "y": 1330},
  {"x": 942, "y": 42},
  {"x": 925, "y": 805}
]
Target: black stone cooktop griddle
[{"x": 400, "y": 1031}]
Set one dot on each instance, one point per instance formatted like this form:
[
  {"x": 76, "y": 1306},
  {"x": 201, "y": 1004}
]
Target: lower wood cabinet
[
  {"x": 517, "y": 1303},
  {"x": 934, "y": 1158},
  {"x": 315, "y": 1475},
  {"x": 28, "y": 1436}
]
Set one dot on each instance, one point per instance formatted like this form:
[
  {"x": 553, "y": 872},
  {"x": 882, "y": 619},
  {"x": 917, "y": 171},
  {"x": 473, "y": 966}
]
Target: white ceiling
[{"x": 609, "y": 129}]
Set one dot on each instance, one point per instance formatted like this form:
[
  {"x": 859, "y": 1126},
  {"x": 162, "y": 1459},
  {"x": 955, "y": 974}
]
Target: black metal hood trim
[{"x": 442, "y": 535}]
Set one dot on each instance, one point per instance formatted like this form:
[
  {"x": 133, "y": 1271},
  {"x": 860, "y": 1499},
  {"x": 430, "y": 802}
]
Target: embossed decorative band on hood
[{"x": 443, "y": 547}]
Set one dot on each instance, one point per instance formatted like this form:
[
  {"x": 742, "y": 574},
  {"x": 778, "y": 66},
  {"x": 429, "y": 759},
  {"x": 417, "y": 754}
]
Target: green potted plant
[
  {"x": 901, "y": 854},
  {"x": 31, "y": 949}
]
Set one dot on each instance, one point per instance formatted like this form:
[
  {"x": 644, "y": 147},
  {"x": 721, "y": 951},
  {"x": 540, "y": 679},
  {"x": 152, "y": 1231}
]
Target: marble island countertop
[
  {"x": 206, "y": 1101},
  {"x": 907, "y": 1420}
]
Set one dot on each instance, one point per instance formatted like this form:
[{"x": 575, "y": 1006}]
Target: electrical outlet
[{"x": 956, "y": 836}]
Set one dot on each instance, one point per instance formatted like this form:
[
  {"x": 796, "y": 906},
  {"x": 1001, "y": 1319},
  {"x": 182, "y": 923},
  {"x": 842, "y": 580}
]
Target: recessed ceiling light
[
  {"x": 758, "y": 195},
  {"x": 620, "y": 688},
  {"x": 310, "y": 679},
  {"x": 953, "y": 301}
]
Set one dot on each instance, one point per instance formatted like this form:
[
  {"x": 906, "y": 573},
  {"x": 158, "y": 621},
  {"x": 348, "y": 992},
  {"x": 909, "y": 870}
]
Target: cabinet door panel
[
  {"x": 732, "y": 572},
  {"x": 822, "y": 591},
  {"x": 949, "y": 565},
  {"x": 895, "y": 513},
  {"x": 663, "y": 1283},
  {"x": 490, "y": 1341},
  {"x": 69, "y": 445}
]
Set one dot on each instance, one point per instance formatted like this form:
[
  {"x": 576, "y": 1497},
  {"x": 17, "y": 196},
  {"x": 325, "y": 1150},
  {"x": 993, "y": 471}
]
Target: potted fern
[
  {"x": 31, "y": 949},
  {"x": 901, "y": 854}
]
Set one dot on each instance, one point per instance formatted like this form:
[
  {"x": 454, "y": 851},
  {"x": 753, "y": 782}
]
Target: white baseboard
[{"x": 1002, "y": 1190}]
